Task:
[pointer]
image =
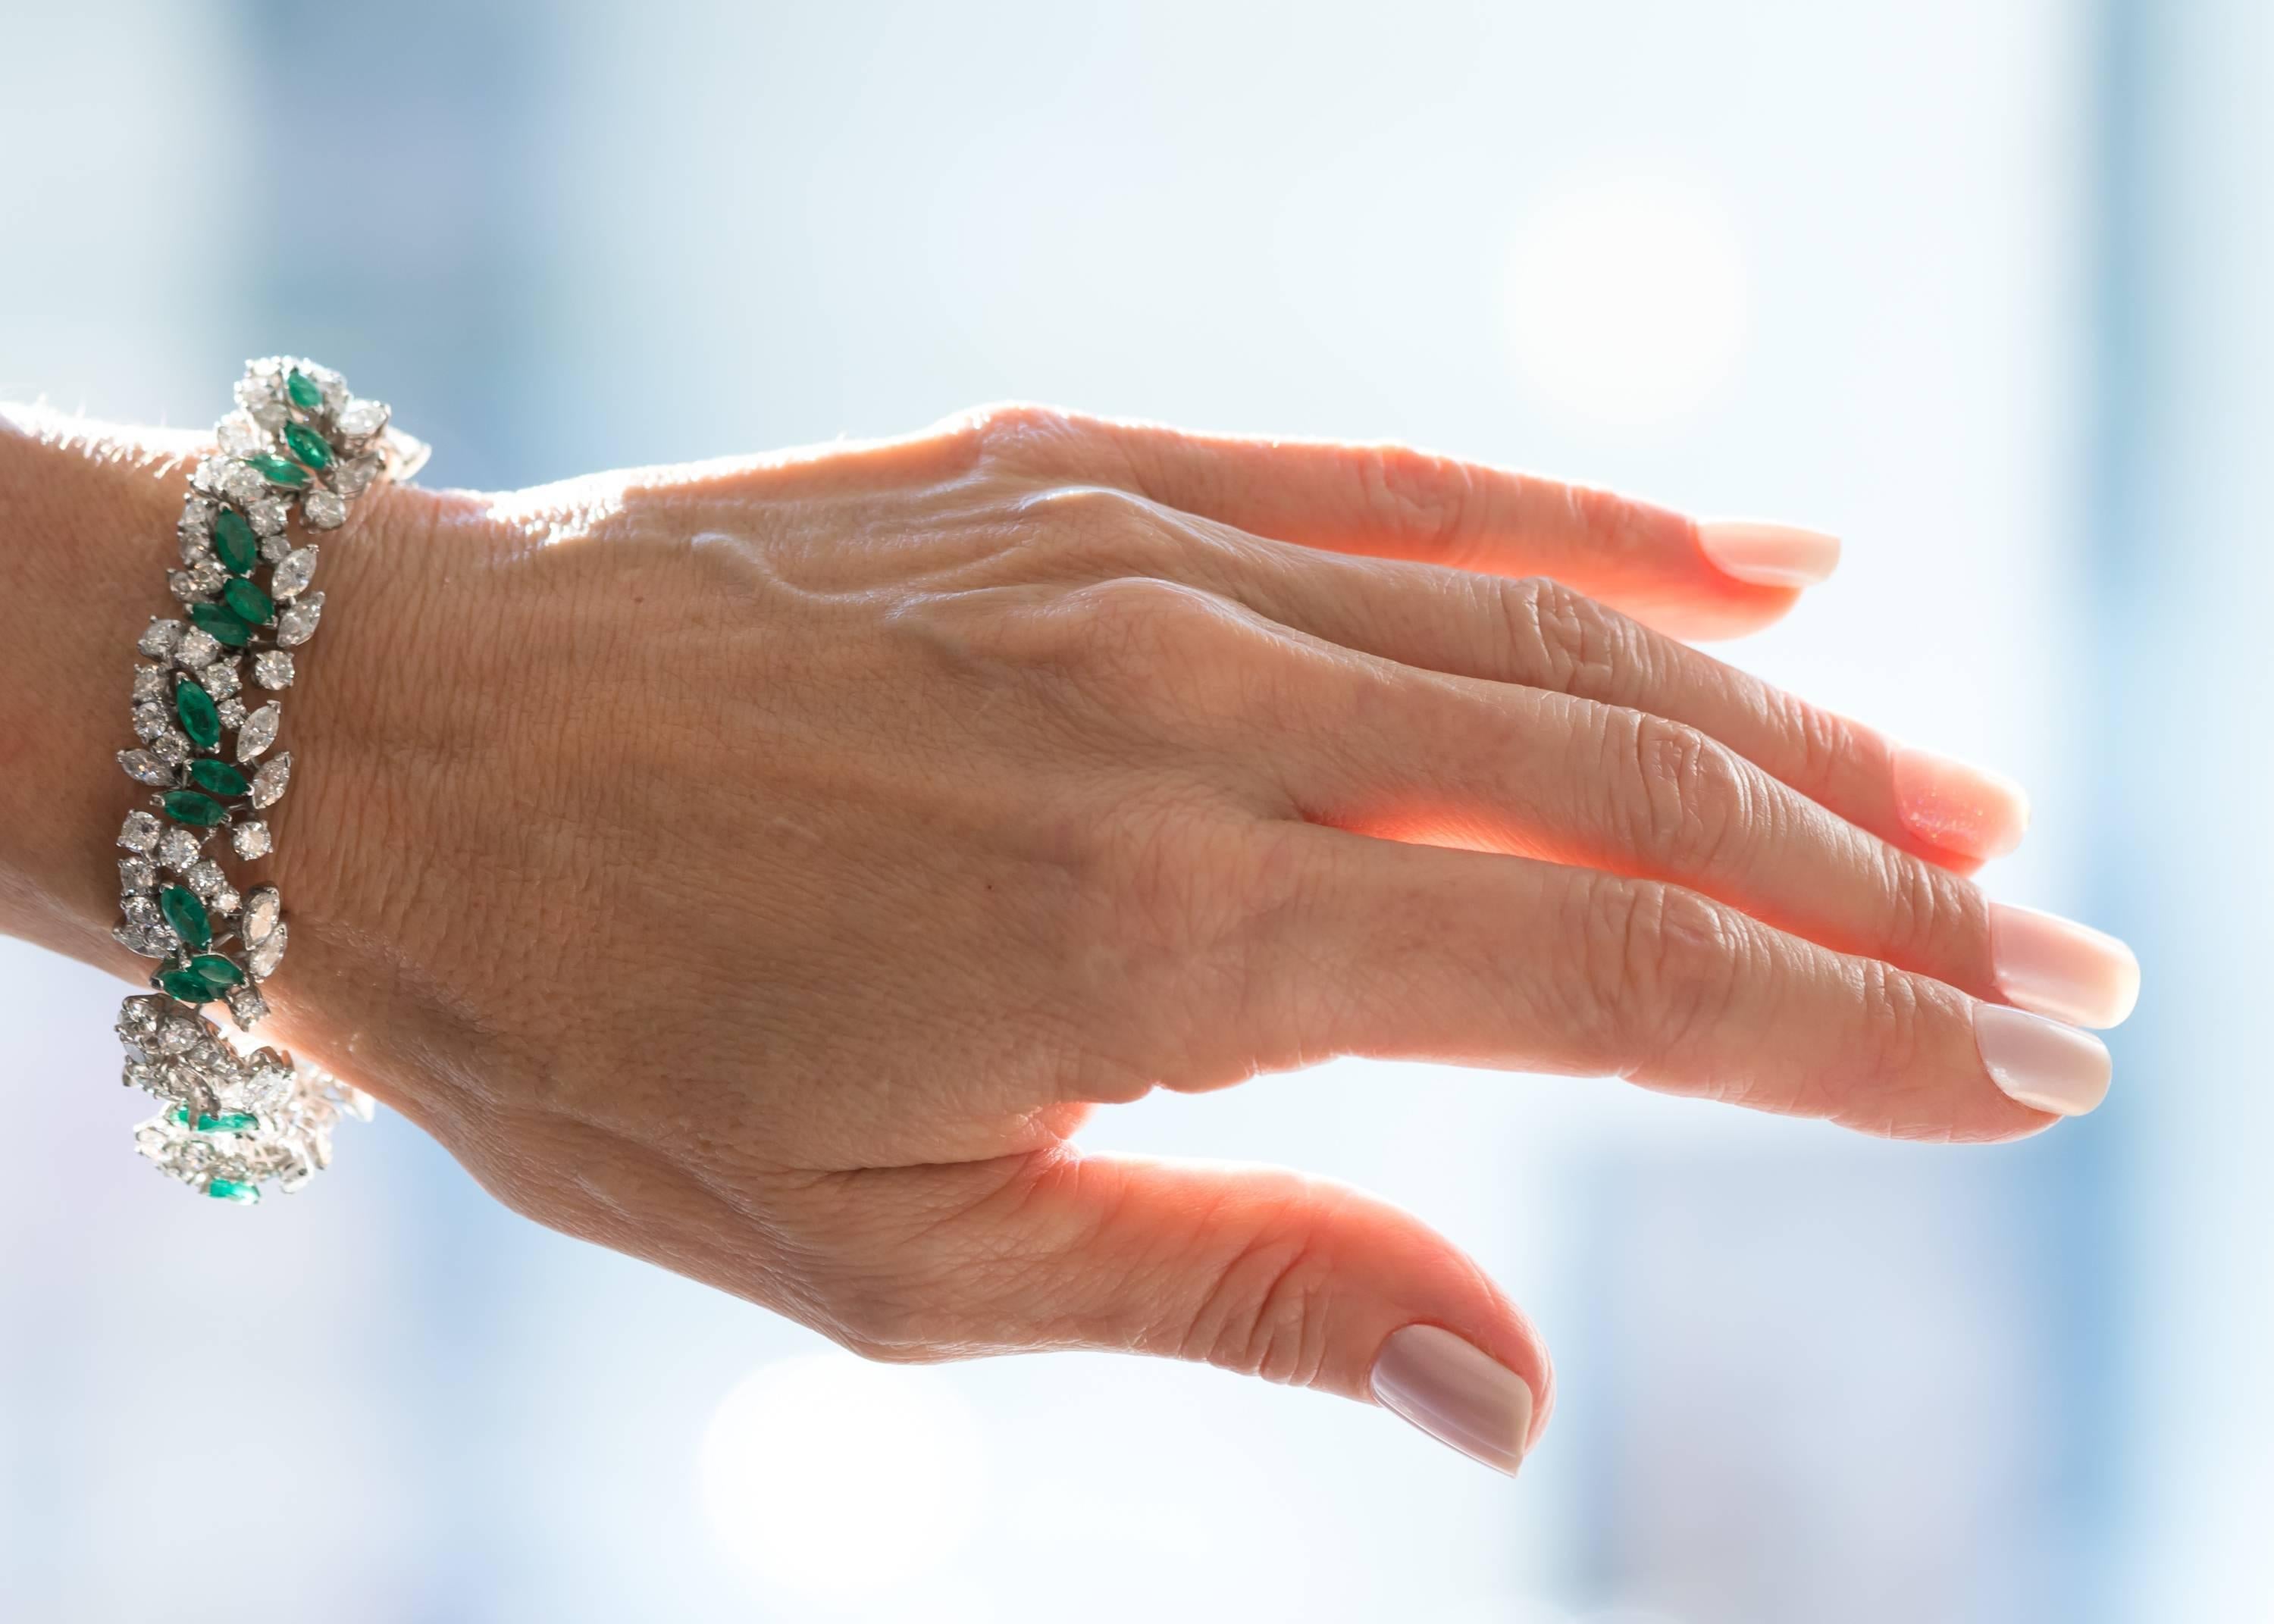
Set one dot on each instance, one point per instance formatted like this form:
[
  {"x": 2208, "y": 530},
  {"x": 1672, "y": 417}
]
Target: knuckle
[
  {"x": 1160, "y": 649},
  {"x": 1138, "y": 622},
  {"x": 1101, "y": 532},
  {"x": 1895, "y": 1017},
  {"x": 1929, "y": 916},
  {"x": 1659, "y": 964},
  {"x": 1821, "y": 743},
  {"x": 1567, "y": 641},
  {"x": 1431, "y": 504},
  {"x": 1266, "y": 1312},
  {"x": 1013, "y": 431},
  {"x": 1685, "y": 798}
]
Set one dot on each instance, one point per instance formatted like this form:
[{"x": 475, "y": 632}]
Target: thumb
[{"x": 1260, "y": 1270}]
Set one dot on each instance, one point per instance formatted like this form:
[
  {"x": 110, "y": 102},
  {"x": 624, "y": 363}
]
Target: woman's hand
[{"x": 764, "y": 868}]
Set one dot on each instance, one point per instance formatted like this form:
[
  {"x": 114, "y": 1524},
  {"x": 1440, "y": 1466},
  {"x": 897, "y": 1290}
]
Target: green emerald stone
[
  {"x": 237, "y": 547},
  {"x": 231, "y": 1190},
  {"x": 303, "y": 391},
  {"x": 189, "y": 807},
  {"x": 186, "y": 914},
  {"x": 199, "y": 719},
  {"x": 307, "y": 445},
  {"x": 217, "y": 777},
  {"x": 276, "y": 471},
  {"x": 216, "y": 972},
  {"x": 223, "y": 1121},
  {"x": 186, "y": 986},
  {"x": 223, "y": 627},
  {"x": 249, "y": 603}
]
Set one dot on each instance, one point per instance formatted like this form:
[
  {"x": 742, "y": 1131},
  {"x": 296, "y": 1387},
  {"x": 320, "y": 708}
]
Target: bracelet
[{"x": 231, "y": 1120}]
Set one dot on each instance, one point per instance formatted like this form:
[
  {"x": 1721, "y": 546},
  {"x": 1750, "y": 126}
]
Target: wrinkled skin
[{"x": 764, "y": 868}]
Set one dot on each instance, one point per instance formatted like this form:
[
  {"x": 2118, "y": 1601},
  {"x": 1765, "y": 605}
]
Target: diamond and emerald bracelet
[{"x": 231, "y": 1120}]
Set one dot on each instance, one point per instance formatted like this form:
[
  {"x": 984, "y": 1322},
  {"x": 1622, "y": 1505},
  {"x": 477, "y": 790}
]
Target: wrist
[
  {"x": 86, "y": 513},
  {"x": 87, "y": 518}
]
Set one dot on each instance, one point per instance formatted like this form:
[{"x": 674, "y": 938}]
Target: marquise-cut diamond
[
  {"x": 149, "y": 944},
  {"x": 362, "y": 419},
  {"x": 267, "y": 1079},
  {"x": 140, "y": 832},
  {"x": 240, "y": 435},
  {"x": 250, "y": 838},
  {"x": 269, "y": 783},
  {"x": 290, "y": 578},
  {"x": 258, "y": 731},
  {"x": 272, "y": 668},
  {"x": 323, "y": 510},
  {"x": 197, "y": 647},
  {"x": 297, "y": 624},
  {"x": 206, "y": 878},
  {"x": 137, "y": 873},
  {"x": 145, "y": 768},
  {"x": 263, "y": 958},
  {"x": 261, "y": 910},
  {"x": 177, "y": 849},
  {"x": 243, "y": 484},
  {"x": 160, "y": 638},
  {"x": 190, "y": 585},
  {"x": 353, "y": 477}
]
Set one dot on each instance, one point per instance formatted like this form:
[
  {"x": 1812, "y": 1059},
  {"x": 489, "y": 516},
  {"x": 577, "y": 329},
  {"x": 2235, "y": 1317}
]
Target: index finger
[{"x": 1672, "y": 572}]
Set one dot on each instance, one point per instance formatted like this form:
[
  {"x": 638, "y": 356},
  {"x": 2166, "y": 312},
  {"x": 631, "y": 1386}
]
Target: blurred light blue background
[{"x": 1980, "y": 286}]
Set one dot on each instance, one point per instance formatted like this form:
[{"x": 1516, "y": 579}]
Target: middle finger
[{"x": 1541, "y": 634}]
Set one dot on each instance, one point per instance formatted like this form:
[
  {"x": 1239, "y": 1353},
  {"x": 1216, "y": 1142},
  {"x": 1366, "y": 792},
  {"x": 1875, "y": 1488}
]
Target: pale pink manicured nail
[
  {"x": 1456, "y": 1393},
  {"x": 1957, "y": 807},
  {"x": 2061, "y": 969},
  {"x": 1769, "y": 555},
  {"x": 2045, "y": 1065}
]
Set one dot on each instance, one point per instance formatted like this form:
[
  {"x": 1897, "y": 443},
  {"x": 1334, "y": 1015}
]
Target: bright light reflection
[
  {"x": 1626, "y": 301},
  {"x": 835, "y": 1478}
]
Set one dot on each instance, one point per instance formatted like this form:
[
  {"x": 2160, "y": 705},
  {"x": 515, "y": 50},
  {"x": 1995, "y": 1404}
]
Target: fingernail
[
  {"x": 1457, "y": 1393},
  {"x": 2061, "y": 969},
  {"x": 1961, "y": 809},
  {"x": 1769, "y": 555},
  {"x": 2045, "y": 1065}
]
